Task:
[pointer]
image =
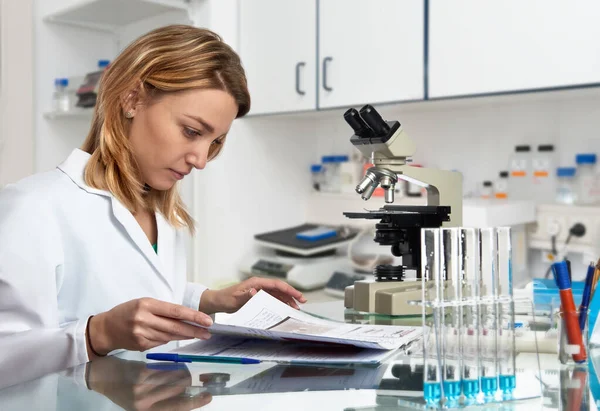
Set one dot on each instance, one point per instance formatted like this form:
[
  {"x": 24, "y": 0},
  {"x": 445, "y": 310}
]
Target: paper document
[
  {"x": 284, "y": 352},
  {"x": 264, "y": 316}
]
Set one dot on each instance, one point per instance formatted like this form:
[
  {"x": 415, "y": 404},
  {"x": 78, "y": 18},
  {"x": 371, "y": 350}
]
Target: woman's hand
[
  {"x": 133, "y": 385},
  {"x": 143, "y": 324},
  {"x": 230, "y": 299}
]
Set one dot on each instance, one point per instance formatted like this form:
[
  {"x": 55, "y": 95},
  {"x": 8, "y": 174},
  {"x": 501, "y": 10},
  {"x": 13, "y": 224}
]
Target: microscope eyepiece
[
  {"x": 374, "y": 120},
  {"x": 361, "y": 129}
]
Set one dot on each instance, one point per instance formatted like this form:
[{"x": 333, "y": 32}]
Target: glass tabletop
[{"x": 128, "y": 381}]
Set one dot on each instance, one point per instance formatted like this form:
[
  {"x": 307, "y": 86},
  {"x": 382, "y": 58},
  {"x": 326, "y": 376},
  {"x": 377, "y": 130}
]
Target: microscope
[{"x": 390, "y": 150}]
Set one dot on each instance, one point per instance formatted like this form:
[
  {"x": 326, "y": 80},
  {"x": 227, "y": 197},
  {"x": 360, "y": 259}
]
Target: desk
[{"x": 127, "y": 381}]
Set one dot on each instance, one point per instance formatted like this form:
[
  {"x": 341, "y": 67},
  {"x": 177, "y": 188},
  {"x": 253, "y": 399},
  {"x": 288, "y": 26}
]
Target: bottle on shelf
[
  {"x": 316, "y": 171},
  {"x": 566, "y": 185},
  {"x": 586, "y": 178},
  {"x": 486, "y": 190},
  {"x": 519, "y": 187},
  {"x": 501, "y": 186},
  {"x": 61, "y": 100},
  {"x": 332, "y": 177},
  {"x": 543, "y": 179}
]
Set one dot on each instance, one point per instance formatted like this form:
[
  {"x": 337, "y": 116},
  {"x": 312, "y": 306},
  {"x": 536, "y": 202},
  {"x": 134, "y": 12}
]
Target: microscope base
[{"x": 388, "y": 298}]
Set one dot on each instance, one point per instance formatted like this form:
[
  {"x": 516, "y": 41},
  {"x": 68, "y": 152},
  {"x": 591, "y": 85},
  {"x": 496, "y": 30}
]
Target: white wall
[
  {"x": 260, "y": 183},
  {"x": 16, "y": 99}
]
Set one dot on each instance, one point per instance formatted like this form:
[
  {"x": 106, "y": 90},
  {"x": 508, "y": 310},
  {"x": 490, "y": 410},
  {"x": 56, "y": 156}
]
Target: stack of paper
[{"x": 305, "y": 338}]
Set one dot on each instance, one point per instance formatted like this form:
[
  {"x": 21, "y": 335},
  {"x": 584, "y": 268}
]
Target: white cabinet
[
  {"x": 361, "y": 52},
  {"x": 493, "y": 46},
  {"x": 370, "y": 51},
  {"x": 277, "y": 48}
]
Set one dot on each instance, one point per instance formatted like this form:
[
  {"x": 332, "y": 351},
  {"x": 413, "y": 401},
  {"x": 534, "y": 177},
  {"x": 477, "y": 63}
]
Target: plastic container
[
  {"x": 61, "y": 100},
  {"x": 566, "y": 187},
  {"x": 501, "y": 186},
  {"x": 487, "y": 190},
  {"x": 586, "y": 178},
  {"x": 316, "y": 171},
  {"x": 519, "y": 187},
  {"x": 332, "y": 181},
  {"x": 543, "y": 178}
]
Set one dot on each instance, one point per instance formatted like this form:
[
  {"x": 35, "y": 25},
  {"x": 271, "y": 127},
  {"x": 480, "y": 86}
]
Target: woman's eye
[
  {"x": 217, "y": 141},
  {"x": 190, "y": 132}
]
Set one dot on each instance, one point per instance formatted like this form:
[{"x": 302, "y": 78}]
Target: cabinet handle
[
  {"x": 325, "y": 61},
  {"x": 298, "y": 66}
]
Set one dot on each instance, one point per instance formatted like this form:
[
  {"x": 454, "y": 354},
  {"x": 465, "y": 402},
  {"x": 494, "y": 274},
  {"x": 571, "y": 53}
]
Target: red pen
[{"x": 570, "y": 317}]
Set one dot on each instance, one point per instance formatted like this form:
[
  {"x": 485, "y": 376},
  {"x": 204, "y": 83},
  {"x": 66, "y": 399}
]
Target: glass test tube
[
  {"x": 506, "y": 313},
  {"x": 471, "y": 282},
  {"x": 488, "y": 370},
  {"x": 451, "y": 317},
  {"x": 430, "y": 256}
]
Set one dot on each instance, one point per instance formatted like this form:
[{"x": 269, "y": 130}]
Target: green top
[{"x": 155, "y": 246}]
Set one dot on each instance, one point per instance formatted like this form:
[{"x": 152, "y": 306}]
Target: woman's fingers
[
  {"x": 176, "y": 328},
  {"x": 164, "y": 337},
  {"x": 276, "y": 286},
  {"x": 175, "y": 311}
]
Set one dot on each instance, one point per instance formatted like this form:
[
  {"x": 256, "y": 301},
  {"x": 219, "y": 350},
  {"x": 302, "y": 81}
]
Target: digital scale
[{"x": 304, "y": 264}]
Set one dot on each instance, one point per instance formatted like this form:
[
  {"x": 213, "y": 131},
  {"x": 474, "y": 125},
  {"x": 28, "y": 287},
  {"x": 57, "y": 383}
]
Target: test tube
[
  {"x": 451, "y": 314},
  {"x": 471, "y": 283},
  {"x": 430, "y": 256},
  {"x": 488, "y": 369},
  {"x": 506, "y": 311}
]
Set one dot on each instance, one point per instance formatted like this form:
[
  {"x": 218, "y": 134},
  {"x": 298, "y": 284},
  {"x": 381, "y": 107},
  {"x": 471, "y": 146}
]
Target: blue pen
[
  {"x": 585, "y": 300},
  {"x": 199, "y": 358}
]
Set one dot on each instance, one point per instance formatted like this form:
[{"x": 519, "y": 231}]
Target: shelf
[
  {"x": 109, "y": 15},
  {"x": 74, "y": 114}
]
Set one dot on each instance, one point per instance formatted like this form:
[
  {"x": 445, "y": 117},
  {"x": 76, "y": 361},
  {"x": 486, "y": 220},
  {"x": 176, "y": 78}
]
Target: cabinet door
[
  {"x": 370, "y": 51},
  {"x": 491, "y": 46},
  {"x": 278, "y": 50}
]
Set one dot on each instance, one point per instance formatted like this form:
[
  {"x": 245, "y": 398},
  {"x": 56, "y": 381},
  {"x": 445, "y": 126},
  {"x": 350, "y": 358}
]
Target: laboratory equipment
[
  {"x": 469, "y": 327},
  {"x": 520, "y": 173},
  {"x": 501, "y": 186},
  {"x": 566, "y": 187},
  {"x": 88, "y": 91},
  {"x": 544, "y": 181},
  {"x": 389, "y": 149},
  {"x": 337, "y": 283},
  {"x": 316, "y": 172},
  {"x": 486, "y": 190},
  {"x": 332, "y": 178},
  {"x": 586, "y": 178},
  {"x": 304, "y": 264},
  {"x": 61, "y": 101}
]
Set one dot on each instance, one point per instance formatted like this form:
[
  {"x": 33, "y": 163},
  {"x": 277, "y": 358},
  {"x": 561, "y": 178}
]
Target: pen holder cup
[{"x": 573, "y": 341}]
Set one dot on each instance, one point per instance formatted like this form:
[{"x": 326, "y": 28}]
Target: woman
[{"x": 93, "y": 251}]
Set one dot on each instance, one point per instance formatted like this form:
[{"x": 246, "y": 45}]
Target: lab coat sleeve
[
  {"x": 192, "y": 295},
  {"x": 31, "y": 262}
]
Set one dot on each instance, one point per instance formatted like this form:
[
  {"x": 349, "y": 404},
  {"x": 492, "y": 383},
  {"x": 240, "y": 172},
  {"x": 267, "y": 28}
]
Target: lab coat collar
[{"x": 74, "y": 168}]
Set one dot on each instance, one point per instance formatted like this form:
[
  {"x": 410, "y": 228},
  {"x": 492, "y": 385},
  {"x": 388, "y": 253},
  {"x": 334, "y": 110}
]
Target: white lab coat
[{"x": 68, "y": 251}]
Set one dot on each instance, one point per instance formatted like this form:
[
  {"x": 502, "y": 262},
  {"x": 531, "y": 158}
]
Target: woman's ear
[{"x": 131, "y": 100}]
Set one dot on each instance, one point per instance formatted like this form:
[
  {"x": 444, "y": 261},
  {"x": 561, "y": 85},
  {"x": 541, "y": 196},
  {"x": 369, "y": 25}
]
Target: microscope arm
[{"x": 442, "y": 187}]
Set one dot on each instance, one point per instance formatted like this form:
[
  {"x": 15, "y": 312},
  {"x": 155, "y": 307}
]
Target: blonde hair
[{"x": 165, "y": 60}]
